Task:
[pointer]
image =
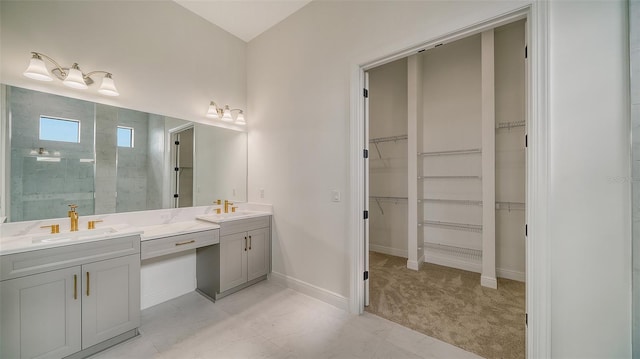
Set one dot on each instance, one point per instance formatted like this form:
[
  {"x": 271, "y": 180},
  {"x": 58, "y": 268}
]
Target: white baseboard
[
  {"x": 510, "y": 274},
  {"x": 453, "y": 262},
  {"x": 489, "y": 282},
  {"x": 311, "y": 290},
  {"x": 389, "y": 250}
]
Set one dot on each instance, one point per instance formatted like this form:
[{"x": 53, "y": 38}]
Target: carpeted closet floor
[{"x": 449, "y": 304}]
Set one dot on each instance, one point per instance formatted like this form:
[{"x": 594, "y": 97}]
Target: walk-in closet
[{"x": 447, "y": 186}]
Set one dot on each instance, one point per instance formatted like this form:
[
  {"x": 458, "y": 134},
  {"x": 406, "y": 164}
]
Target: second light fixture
[{"x": 224, "y": 114}]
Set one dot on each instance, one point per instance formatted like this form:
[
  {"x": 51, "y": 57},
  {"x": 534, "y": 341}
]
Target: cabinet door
[
  {"x": 40, "y": 316},
  {"x": 110, "y": 298},
  {"x": 233, "y": 260},
  {"x": 259, "y": 253}
]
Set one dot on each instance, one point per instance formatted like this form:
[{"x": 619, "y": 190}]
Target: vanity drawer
[
  {"x": 173, "y": 244},
  {"x": 244, "y": 225},
  {"x": 44, "y": 260}
]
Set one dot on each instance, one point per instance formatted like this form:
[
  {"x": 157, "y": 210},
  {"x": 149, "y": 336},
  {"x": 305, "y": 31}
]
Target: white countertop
[
  {"x": 30, "y": 242},
  {"x": 26, "y": 236}
]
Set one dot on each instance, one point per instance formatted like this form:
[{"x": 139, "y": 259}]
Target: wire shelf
[
  {"x": 455, "y": 226},
  {"x": 388, "y": 139},
  {"x": 380, "y": 199},
  {"x": 518, "y": 206},
  {"x": 510, "y": 125},
  {"x": 451, "y": 152},
  {"x": 449, "y": 177},
  {"x": 464, "y": 202}
]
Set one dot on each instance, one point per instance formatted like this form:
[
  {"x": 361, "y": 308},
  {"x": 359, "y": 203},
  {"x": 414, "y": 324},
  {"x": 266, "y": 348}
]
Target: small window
[
  {"x": 125, "y": 136},
  {"x": 58, "y": 129}
]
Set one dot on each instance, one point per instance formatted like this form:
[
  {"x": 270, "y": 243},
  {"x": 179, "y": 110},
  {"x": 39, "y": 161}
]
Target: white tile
[{"x": 270, "y": 321}]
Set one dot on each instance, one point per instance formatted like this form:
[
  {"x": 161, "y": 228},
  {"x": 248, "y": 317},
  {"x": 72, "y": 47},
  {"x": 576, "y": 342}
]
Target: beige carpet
[{"x": 449, "y": 304}]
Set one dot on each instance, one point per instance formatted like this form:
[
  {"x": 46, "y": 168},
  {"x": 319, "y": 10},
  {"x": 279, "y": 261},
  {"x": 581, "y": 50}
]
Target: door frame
[{"x": 538, "y": 298}]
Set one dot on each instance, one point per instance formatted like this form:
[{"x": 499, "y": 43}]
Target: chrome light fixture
[
  {"x": 224, "y": 114},
  {"x": 72, "y": 77}
]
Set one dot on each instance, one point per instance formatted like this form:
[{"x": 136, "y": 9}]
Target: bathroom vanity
[
  {"x": 73, "y": 294},
  {"x": 72, "y": 299}
]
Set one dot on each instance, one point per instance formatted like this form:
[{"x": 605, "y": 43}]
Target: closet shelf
[
  {"x": 451, "y": 152},
  {"x": 510, "y": 125},
  {"x": 388, "y": 139},
  {"x": 456, "y": 226},
  {"x": 379, "y": 199},
  {"x": 510, "y": 206},
  {"x": 394, "y": 199},
  {"x": 449, "y": 177},
  {"x": 465, "y": 202},
  {"x": 375, "y": 141}
]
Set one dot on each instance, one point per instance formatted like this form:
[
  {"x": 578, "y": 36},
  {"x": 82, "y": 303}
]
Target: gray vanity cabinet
[
  {"x": 258, "y": 254},
  {"x": 71, "y": 300},
  {"x": 40, "y": 316},
  {"x": 110, "y": 298},
  {"x": 242, "y": 258},
  {"x": 233, "y": 260}
]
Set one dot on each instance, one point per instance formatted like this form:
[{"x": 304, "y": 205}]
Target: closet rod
[
  {"x": 452, "y": 225},
  {"x": 449, "y": 177},
  {"x": 510, "y": 125},
  {"x": 465, "y": 202},
  {"x": 388, "y": 139},
  {"x": 452, "y": 152}
]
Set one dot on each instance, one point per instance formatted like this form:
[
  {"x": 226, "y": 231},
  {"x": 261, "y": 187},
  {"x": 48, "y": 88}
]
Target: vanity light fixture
[
  {"x": 72, "y": 77},
  {"x": 217, "y": 113}
]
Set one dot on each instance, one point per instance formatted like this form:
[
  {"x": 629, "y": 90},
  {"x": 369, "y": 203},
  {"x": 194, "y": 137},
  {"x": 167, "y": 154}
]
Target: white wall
[
  {"x": 298, "y": 89},
  {"x": 388, "y": 167},
  {"x": 589, "y": 210},
  {"x": 164, "y": 59}
]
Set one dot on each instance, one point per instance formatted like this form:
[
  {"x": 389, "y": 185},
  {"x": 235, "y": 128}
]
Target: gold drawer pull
[
  {"x": 249, "y": 242},
  {"x": 187, "y": 242},
  {"x": 88, "y": 285},
  {"x": 75, "y": 287}
]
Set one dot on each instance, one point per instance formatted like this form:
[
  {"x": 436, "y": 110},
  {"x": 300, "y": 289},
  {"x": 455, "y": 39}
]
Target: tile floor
[{"x": 270, "y": 321}]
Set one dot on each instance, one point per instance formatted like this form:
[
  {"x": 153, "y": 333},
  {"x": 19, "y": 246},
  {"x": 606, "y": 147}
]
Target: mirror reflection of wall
[
  {"x": 118, "y": 161},
  {"x": 634, "y": 47}
]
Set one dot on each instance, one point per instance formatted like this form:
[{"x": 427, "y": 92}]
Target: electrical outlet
[{"x": 261, "y": 192}]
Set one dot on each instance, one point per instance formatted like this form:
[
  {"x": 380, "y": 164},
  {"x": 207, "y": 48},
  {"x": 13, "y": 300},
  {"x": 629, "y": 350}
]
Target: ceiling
[{"x": 245, "y": 19}]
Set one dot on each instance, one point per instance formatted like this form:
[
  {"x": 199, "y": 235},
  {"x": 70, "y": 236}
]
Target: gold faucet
[
  {"x": 74, "y": 217},
  {"x": 226, "y": 205}
]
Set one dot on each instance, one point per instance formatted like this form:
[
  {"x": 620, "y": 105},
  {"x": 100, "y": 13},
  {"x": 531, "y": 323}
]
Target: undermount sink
[
  {"x": 73, "y": 236},
  {"x": 231, "y": 216}
]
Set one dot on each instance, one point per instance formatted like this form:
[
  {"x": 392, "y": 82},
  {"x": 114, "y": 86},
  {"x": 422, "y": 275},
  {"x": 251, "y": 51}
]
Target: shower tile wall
[
  {"x": 106, "y": 119},
  {"x": 44, "y": 189},
  {"x": 131, "y": 184}
]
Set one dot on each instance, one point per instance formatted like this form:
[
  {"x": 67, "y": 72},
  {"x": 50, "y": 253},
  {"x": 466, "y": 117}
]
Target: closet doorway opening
[
  {"x": 445, "y": 190},
  {"x": 182, "y": 166}
]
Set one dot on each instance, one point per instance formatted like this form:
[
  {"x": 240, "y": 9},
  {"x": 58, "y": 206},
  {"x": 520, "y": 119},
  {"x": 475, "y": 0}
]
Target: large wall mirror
[{"x": 106, "y": 159}]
